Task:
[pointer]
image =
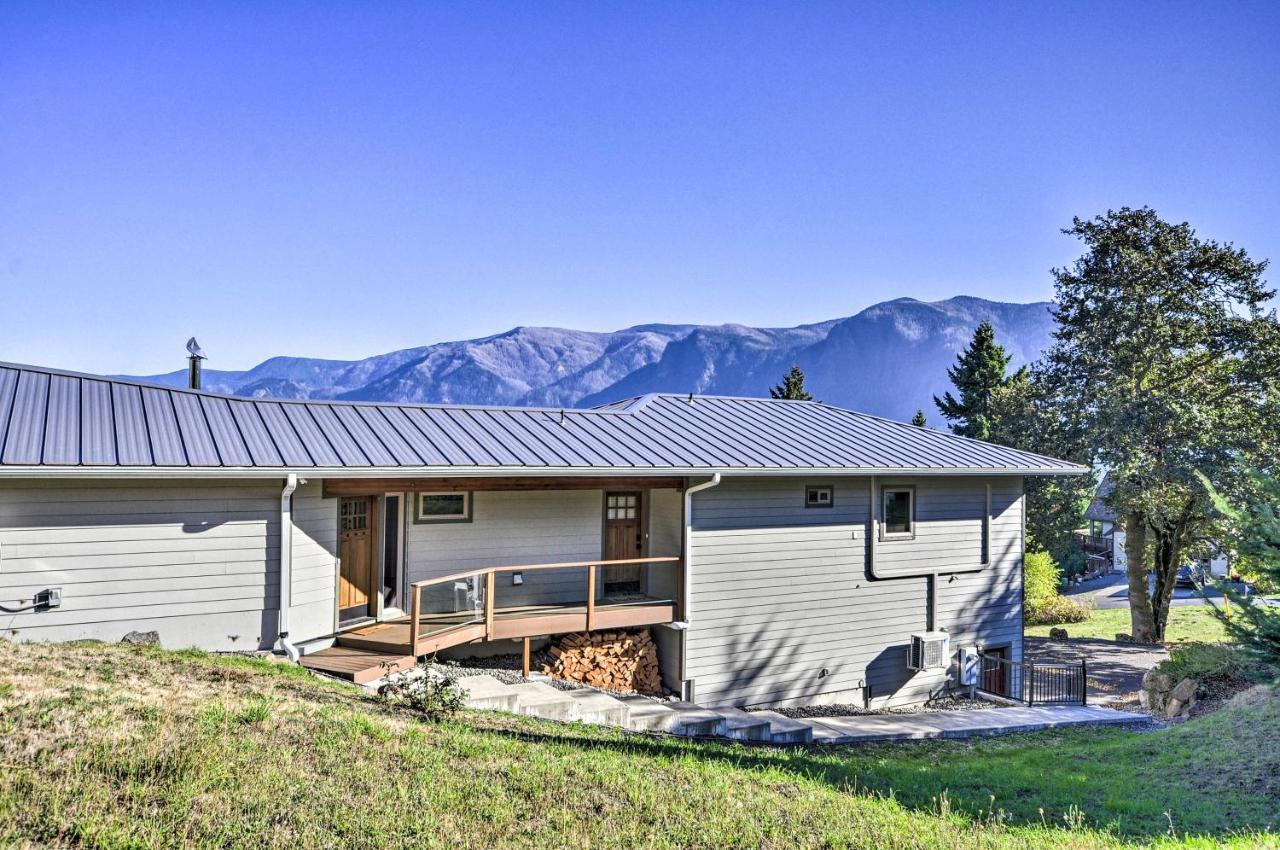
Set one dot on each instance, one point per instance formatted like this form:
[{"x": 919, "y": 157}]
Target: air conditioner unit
[{"x": 930, "y": 651}]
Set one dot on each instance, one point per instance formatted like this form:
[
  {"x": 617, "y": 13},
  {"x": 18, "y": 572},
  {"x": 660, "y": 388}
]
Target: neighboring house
[
  {"x": 1105, "y": 535},
  {"x": 782, "y": 551}
]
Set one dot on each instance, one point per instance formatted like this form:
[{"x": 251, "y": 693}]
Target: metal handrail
[{"x": 490, "y": 574}]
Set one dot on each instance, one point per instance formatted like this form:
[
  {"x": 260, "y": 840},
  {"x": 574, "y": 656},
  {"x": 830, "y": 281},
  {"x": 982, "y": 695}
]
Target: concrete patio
[{"x": 963, "y": 724}]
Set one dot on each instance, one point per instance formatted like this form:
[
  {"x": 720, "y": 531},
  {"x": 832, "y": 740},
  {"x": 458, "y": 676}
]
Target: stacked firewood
[{"x": 615, "y": 661}]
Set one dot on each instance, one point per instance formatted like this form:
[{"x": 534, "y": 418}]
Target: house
[{"x": 780, "y": 551}]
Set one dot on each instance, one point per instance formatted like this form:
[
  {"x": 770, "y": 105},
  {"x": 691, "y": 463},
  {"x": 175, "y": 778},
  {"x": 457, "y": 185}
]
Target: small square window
[
  {"x": 443, "y": 507},
  {"x": 899, "y": 512},
  {"x": 819, "y": 497}
]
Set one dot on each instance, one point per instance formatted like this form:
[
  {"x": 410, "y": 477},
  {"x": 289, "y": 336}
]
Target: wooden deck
[{"x": 361, "y": 653}]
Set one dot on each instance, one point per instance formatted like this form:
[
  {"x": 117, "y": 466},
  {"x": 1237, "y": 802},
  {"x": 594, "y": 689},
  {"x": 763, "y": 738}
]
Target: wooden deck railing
[{"x": 490, "y": 575}]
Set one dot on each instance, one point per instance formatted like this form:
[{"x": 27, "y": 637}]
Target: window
[
  {"x": 899, "y": 512},
  {"x": 819, "y": 497},
  {"x": 622, "y": 505},
  {"x": 443, "y": 507}
]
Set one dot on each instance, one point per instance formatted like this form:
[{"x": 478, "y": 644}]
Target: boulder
[
  {"x": 141, "y": 639},
  {"x": 1174, "y": 708},
  {"x": 1152, "y": 700},
  {"x": 1153, "y": 681},
  {"x": 1057, "y": 634},
  {"x": 1184, "y": 691},
  {"x": 1121, "y": 637}
]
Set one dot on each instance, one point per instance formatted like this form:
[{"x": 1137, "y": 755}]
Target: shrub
[
  {"x": 1043, "y": 604},
  {"x": 430, "y": 690},
  {"x": 1057, "y": 611},
  {"x": 1041, "y": 579},
  {"x": 1222, "y": 663}
]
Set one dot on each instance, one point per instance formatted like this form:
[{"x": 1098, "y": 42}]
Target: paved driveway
[
  {"x": 1115, "y": 670},
  {"x": 1113, "y": 592}
]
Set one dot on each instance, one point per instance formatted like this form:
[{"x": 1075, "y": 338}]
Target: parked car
[{"x": 1191, "y": 575}]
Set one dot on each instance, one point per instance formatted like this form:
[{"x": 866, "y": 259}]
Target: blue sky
[{"x": 342, "y": 180}]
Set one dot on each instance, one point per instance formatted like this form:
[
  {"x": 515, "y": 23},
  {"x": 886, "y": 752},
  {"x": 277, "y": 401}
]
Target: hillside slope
[{"x": 110, "y": 746}]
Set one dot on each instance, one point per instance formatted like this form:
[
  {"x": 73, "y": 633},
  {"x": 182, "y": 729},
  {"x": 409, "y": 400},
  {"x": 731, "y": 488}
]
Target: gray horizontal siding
[
  {"x": 781, "y": 593},
  {"x": 198, "y": 562},
  {"x": 314, "y": 577}
]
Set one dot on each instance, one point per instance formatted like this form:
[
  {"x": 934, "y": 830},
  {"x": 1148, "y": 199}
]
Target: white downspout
[
  {"x": 286, "y": 565},
  {"x": 686, "y": 593}
]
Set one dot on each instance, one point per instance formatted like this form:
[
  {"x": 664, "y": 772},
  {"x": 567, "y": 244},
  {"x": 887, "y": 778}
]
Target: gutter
[{"x": 286, "y": 565}]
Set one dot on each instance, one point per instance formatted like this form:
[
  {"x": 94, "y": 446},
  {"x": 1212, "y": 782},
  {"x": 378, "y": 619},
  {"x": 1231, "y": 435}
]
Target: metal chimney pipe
[{"x": 193, "y": 363}]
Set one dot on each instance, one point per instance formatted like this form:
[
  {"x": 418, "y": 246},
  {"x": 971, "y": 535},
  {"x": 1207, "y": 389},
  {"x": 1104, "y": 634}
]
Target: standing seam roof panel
[
  {"x": 869, "y": 446},
  {"x": 488, "y": 421},
  {"x": 286, "y": 438},
  {"x": 166, "y": 441},
  {"x": 27, "y": 423},
  {"x": 97, "y": 436},
  {"x": 440, "y": 419},
  {"x": 225, "y": 433},
  {"x": 262, "y": 448},
  {"x": 644, "y": 431},
  {"x": 602, "y": 443},
  {"x": 832, "y": 450},
  {"x": 455, "y": 451},
  {"x": 383, "y": 429},
  {"x": 728, "y": 453},
  {"x": 338, "y": 437},
  {"x": 550, "y": 452},
  {"x": 62, "y": 424},
  {"x": 308, "y": 431},
  {"x": 8, "y": 386},
  {"x": 494, "y": 454},
  {"x": 547, "y": 428},
  {"x": 364, "y": 437},
  {"x": 131, "y": 426},
  {"x": 201, "y": 449},
  {"x": 422, "y": 446},
  {"x": 750, "y": 425},
  {"x": 635, "y": 437}
]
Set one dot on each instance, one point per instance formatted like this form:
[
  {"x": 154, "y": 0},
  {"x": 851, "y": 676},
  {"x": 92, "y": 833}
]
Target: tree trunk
[
  {"x": 1141, "y": 616},
  {"x": 1165, "y": 562}
]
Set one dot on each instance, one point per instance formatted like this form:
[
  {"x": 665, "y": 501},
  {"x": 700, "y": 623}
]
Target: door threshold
[{"x": 348, "y": 625}]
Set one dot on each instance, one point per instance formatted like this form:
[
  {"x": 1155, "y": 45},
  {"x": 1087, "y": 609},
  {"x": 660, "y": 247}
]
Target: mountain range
[{"x": 888, "y": 360}]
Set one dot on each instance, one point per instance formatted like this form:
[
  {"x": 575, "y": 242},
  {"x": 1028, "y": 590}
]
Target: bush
[
  {"x": 1041, "y": 579},
  {"x": 1057, "y": 611},
  {"x": 1221, "y": 663},
  {"x": 1043, "y": 604},
  {"x": 427, "y": 689}
]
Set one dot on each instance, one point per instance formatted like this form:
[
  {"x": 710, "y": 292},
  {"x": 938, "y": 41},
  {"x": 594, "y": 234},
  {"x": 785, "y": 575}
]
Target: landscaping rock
[
  {"x": 1153, "y": 681},
  {"x": 1057, "y": 634},
  {"x": 141, "y": 639},
  {"x": 1174, "y": 708},
  {"x": 1184, "y": 691},
  {"x": 1121, "y": 637}
]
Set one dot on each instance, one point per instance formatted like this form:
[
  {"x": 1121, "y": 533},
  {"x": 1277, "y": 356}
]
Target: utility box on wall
[{"x": 970, "y": 666}]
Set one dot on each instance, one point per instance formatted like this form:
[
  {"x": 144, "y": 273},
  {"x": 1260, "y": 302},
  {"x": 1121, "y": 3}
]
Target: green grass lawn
[
  {"x": 107, "y": 746},
  {"x": 1186, "y": 623}
]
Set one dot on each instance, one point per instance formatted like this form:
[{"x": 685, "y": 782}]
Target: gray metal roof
[{"x": 54, "y": 422}]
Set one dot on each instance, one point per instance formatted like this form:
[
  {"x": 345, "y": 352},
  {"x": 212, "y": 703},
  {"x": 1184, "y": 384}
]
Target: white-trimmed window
[
  {"x": 898, "y": 512},
  {"x": 819, "y": 496},
  {"x": 442, "y": 507}
]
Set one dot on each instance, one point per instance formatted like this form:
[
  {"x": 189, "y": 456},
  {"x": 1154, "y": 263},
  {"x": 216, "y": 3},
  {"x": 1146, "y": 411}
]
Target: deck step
[
  {"x": 360, "y": 666},
  {"x": 541, "y": 700},
  {"x": 744, "y": 725},
  {"x": 591, "y": 706},
  {"x": 694, "y": 721},
  {"x": 646, "y": 715},
  {"x": 786, "y": 730},
  {"x": 488, "y": 693}
]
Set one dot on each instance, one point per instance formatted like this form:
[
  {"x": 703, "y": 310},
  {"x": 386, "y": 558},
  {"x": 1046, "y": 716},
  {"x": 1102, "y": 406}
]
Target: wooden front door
[
  {"x": 357, "y": 523},
  {"x": 995, "y": 676},
  {"x": 623, "y": 538}
]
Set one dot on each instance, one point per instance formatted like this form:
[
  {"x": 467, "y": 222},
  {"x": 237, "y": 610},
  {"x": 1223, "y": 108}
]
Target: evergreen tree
[
  {"x": 1256, "y": 539},
  {"x": 792, "y": 387},
  {"x": 918, "y": 420},
  {"x": 979, "y": 372}
]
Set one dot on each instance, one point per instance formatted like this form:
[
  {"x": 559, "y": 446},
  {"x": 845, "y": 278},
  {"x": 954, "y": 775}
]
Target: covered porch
[{"x": 410, "y": 585}]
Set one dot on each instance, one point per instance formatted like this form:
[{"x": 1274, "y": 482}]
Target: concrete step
[
  {"x": 595, "y": 707},
  {"x": 646, "y": 715},
  {"x": 488, "y": 692},
  {"x": 744, "y": 725},
  {"x": 693, "y": 721},
  {"x": 541, "y": 700},
  {"x": 786, "y": 730}
]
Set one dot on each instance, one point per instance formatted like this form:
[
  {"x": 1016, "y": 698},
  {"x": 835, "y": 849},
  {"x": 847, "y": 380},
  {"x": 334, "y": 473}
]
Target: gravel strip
[{"x": 948, "y": 703}]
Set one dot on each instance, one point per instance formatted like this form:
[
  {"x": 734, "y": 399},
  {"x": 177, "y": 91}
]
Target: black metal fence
[{"x": 1034, "y": 684}]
